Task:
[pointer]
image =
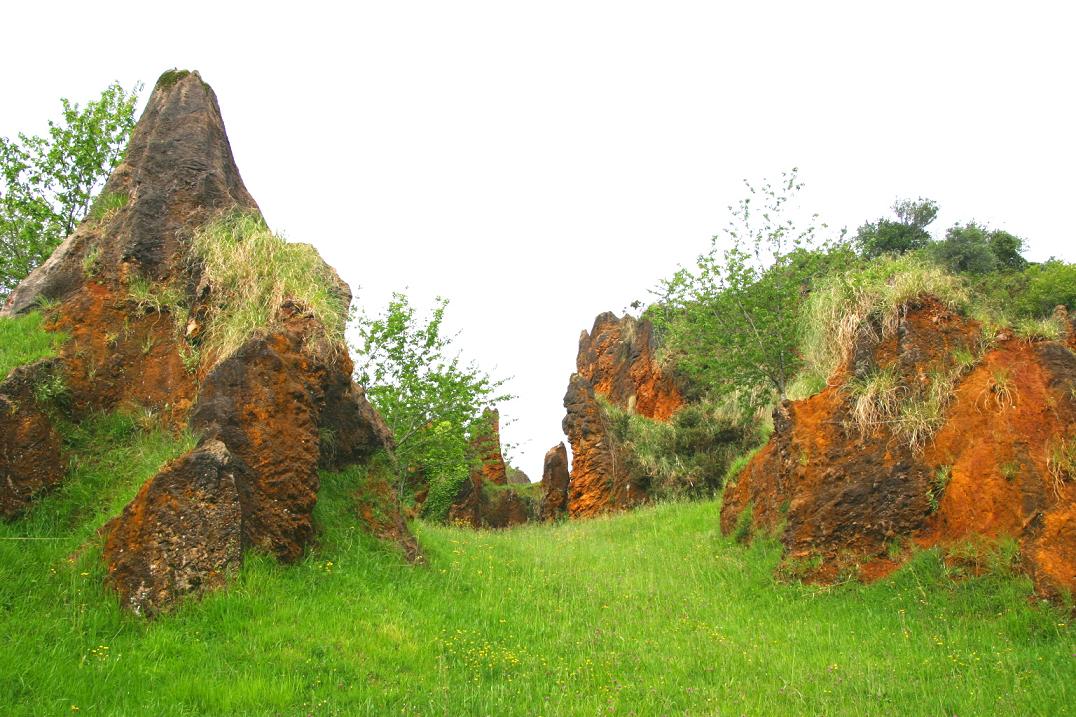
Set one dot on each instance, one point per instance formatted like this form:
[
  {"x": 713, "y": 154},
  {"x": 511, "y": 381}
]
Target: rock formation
[
  {"x": 486, "y": 499},
  {"x": 1000, "y": 461},
  {"x": 516, "y": 476},
  {"x": 481, "y": 504},
  {"x": 30, "y": 458},
  {"x": 615, "y": 361},
  {"x": 555, "y": 483},
  {"x": 486, "y": 447},
  {"x": 131, "y": 295}
]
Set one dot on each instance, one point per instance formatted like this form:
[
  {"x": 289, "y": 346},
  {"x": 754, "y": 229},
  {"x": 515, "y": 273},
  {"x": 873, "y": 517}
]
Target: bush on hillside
[{"x": 687, "y": 456}]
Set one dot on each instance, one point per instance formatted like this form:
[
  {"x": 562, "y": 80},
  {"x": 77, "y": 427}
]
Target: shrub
[
  {"x": 253, "y": 273},
  {"x": 1050, "y": 284},
  {"x": 687, "y": 456},
  {"x": 906, "y": 234},
  {"x": 974, "y": 249}
]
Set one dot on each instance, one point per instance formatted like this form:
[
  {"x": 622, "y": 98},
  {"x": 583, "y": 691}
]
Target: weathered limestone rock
[
  {"x": 181, "y": 535},
  {"x": 615, "y": 361},
  {"x": 487, "y": 448},
  {"x": 485, "y": 499},
  {"x": 995, "y": 467},
  {"x": 555, "y": 483},
  {"x": 483, "y": 504},
  {"x": 30, "y": 449},
  {"x": 269, "y": 415}
]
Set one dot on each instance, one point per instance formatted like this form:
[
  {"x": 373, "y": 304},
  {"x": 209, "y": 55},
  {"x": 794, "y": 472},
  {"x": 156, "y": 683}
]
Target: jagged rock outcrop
[
  {"x": 178, "y": 172},
  {"x": 1000, "y": 461},
  {"x": 615, "y": 361},
  {"x": 483, "y": 504},
  {"x": 486, "y": 499},
  {"x": 132, "y": 296},
  {"x": 555, "y": 483},
  {"x": 517, "y": 477},
  {"x": 30, "y": 448},
  {"x": 486, "y": 447},
  {"x": 181, "y": 534}
]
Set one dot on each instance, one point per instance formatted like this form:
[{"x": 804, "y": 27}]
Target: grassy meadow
[{"x": 647, "y": 613}]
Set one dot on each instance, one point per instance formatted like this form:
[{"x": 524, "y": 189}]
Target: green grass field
[{"x": 647, "y": 613}]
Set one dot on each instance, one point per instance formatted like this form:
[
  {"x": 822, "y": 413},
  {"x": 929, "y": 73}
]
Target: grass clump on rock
[
  {"x": 253, "y": 274},
  {"x": 871, "y": 299}
]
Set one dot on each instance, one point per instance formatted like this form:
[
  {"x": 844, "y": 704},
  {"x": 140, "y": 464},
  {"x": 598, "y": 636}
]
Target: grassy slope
[
  {"x": 22, "y": 340},
  {"x": 647, "y": 613}
]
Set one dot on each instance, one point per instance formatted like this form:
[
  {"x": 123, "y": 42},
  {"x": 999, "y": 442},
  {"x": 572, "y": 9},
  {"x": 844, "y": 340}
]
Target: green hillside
[{"x": 646, "y": 613}]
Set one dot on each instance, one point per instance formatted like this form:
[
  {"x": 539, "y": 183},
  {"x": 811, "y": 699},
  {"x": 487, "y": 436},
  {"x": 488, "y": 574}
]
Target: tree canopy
[
  {"x": 733, "y": 322},
  {"x": 47, "y": 184},
  {"x": 433, "y": 403},
  {"x": 907, "y": 233}
]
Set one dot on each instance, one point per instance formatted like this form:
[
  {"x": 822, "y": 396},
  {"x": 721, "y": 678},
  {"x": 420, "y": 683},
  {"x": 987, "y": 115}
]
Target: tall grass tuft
[
  {"x": 1048, "y": 329},
  {"x": 869, "y": 301},
  {"x": 876, "y": 398},
  {"x": 253, "y": 273}
]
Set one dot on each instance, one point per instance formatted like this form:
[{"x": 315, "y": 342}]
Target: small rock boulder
[{"x": 181, "y": 535}]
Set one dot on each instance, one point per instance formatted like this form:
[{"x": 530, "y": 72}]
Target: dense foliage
[
  {"x": 908, "y": 233},
  {"x": 687, "y": 456},
  {"x": 733, "y": 323},
  {"x": 47, "y": 184},
  {"x": 771, "y": 309},
  {"x": 433, "y": 403}
]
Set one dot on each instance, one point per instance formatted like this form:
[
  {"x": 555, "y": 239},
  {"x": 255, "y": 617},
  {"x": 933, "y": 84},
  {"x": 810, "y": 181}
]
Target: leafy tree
[
  {"x": 48, "y": 183},
  {"x": 432, "y": 402},
  {"x": 907, "y": 233},
  {"x": 973, "y": 249},
  {"x": 733, "y": 324}
]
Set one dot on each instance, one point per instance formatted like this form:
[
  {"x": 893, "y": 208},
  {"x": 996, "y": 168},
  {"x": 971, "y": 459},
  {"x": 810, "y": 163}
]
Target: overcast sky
[{"x": 539, "y": 163}]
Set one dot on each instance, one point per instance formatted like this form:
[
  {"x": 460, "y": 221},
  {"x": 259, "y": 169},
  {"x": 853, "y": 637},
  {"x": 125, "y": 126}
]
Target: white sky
[{"x": 540, "y": 163}]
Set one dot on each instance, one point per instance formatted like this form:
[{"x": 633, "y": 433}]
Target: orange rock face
[
  {"x": 181, "y": 535},
  {"x": 487, "y": 448},
  {"x": 616, "y": 361},
  {"x": 993, "y": 467},
  {"x": 130, "y": 295},
  {"x": 486, "y": 500},
  {"x": 30, "y": 457}
]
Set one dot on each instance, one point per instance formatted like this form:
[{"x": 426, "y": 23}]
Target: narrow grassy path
[{"x": 648, "y": 613}]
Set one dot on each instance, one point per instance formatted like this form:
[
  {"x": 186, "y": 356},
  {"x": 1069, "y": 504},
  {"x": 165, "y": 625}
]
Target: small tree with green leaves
[
  {"x": 733, "y": 323},
  {"x": 47, "y": 184},
  {"x": 974, "y": 249},
  {"x": 432, "y": 401},
  {"x": 907, "y": 233}
]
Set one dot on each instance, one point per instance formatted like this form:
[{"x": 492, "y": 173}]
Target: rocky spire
[{"x": 178, "y": 171}]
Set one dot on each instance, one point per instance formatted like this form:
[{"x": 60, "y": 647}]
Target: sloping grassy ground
[
  {"x": 23, "y": 340},
  {"x": 647, "y": 613}
]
